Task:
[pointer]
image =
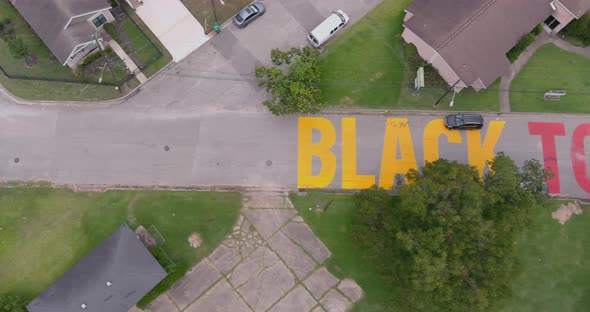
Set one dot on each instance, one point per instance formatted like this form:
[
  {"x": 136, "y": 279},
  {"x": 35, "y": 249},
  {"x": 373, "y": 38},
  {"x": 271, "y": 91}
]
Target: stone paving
[{"x": 271, "y": 261}]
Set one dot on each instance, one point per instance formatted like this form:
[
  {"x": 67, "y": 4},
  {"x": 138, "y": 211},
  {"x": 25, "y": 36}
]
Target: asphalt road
[{"x": 197, "y": 125}]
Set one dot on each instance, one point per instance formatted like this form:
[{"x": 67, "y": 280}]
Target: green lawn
[
  {"x": 365, "y": 67},
  {"x": 552, "y": 68},
  {"x": 144, "y": 47},
  {"x": 45, "y": 231},
  {"x": 556, "y": 265},
  {"x": 555, "y": 258},
  {"x": 333, "y": 227}
]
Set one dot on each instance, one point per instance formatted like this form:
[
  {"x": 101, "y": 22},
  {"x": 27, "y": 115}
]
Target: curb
[{"x": 19, "y": 101}]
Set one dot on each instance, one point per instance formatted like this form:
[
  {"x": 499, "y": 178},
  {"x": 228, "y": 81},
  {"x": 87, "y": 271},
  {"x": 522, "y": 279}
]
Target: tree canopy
[
  {"x": 292, "y": 81},
  {"x": 448, "y": 241},
  {"x": 12, "y": 304}
]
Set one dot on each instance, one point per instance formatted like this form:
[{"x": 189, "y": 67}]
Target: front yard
[
  {"x": 555, "y": 259},
  {"x": 209, "y": 12},
  {"x": 552, "y": 68},
  {"x": 40, "y": 76},
  {"x": 45, "y": 231},
  {"x": 366, "y": 67}
]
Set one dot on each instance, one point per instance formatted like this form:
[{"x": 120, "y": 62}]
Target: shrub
[
  {"x": 580, "y": 28},
  {"x": 537, "y": 30},
  {"x": 12, "y": 304},
  {"x": 17, "y": 48},
  {"x": 524, "y": 42}
]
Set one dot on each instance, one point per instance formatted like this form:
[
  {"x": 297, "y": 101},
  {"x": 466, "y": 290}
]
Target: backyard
[
  {"x": 552, "y": 68},
  {"x": 555, "y": 261},
  {"x": 368, "y": 66},
  {"x": 51, "y": 80},
  {"x": 209, "y": 12},
  {"x": 45, "y": 231}
]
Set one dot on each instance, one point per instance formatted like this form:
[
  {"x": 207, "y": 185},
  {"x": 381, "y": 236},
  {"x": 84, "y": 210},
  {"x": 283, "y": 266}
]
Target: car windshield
[
  {"x": 254, "y": 8},
  {"x": 239, "y": 18},
  {"x": 459, "y": 120},
  {"x": 341, "y": 17}
]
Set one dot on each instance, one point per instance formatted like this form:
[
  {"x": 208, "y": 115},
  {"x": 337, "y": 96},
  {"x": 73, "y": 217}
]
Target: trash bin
[{"x": 217, "y": 28}]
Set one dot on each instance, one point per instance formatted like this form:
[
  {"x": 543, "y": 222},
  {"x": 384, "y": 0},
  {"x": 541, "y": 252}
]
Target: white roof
[{"x": 323, "y": 30}]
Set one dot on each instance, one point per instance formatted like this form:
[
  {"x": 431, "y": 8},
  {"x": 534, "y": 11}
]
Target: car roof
[
  {"x": 471, "y": 118},
  {"x": 247, "y": 11},
  {"x": 322, "y": 31}
]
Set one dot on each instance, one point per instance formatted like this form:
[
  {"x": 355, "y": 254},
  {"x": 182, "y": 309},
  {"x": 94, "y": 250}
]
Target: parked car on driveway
[
  {"x": 463, "y": 121},
  {"x": 328, "y": 28},
  {"x": 249, "y": 14}
]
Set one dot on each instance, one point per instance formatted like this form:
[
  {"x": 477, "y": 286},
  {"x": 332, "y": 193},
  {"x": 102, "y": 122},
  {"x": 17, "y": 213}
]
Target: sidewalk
[
  {"x": 128, "y": 61},
  {"x": 543, "y": 39}
]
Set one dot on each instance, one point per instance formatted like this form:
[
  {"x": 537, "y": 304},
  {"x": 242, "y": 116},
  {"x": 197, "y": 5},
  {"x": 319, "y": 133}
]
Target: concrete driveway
[{"x": 219, "y": 76}]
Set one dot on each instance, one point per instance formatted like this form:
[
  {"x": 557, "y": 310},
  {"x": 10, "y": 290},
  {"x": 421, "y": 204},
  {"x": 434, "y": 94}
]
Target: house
[
  {"x": 134, "y": 4},
  {"x": 67, "y": 27},
  {"x": 112, "y": 277},
  {"x": 467, "y": 40}
]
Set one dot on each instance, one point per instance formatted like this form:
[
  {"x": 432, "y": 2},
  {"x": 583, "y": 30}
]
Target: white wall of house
[{"x": 563, "y": 15}]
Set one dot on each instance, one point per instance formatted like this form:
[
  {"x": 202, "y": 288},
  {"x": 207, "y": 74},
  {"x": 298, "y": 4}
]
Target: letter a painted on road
[
  {"x": 322, "y": 150},
  {"x": 397, "y": 132}
]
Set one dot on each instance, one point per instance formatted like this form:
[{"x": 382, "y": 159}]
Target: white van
[{"x": 328, "y": 28}]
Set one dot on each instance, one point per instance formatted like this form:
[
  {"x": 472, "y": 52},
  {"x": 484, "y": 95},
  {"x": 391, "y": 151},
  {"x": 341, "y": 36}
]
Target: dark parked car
[
  {"x": 464, "y": 121},
  {"x": 249, "y": 14}
]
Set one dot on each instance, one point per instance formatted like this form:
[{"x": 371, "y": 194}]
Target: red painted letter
[
  {"x": 548, "y": 131},
  {"x": 579, "y": 156}
]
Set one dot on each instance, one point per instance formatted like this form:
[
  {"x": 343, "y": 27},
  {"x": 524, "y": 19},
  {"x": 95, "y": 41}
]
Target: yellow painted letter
[
  {"x": 350, "y": 180},
  {"x": 480, "y": 154},
  {"x": 396, "y": 130},
  {"x": 321, "y": 149},
  {"x": 432, "y": 132}
]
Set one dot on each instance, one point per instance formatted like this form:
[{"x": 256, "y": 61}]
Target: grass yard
[
  {"x": 333, "y": 227},
  {"x": 556, "y": 264},
  {"x": 149, "y": 53},
  {"x": 45, "y": 231},
  {"x": 555, "y": 258},
  {"x": 365, "y": 67},
  {"x": 207, "y": 12},
  {"x": 552, "y": 68}
]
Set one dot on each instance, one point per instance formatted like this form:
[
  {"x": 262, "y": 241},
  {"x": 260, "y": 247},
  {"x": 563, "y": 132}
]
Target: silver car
[{"x": 249, "y": 14}]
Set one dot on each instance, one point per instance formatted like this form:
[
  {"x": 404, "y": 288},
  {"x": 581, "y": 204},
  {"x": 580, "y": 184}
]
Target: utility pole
[
  {"x": 106, "y": 61},
  {"x": 449, "y": 90}
]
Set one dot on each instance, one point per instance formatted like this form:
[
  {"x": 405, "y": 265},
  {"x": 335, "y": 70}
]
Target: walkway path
[
  {"x": 128, "y": 61},
  {"x": 272, "y": 261},
  {"x": 543, "y": 39}
]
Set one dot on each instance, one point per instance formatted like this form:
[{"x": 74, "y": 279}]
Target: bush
[
  {"x": 580, "y": 29},
  {"x": 175, "y": 272},
  {"x": 12, "y": 304},
  {"x": 112, "y": 31},
  {"x": 537, "y": 30},
  {"x": 524, "y": 42},
  {"x": 17, "y": 48}
]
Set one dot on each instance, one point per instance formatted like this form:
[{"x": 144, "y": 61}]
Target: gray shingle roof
[
  {"x": 49, "y": 17},
  {"x": 578, "y": 7},
  {"x": 121, "y": 259},
  {"x": 473, "y": 36}
]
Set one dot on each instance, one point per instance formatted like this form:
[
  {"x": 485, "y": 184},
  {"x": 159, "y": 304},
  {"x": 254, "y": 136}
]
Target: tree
[
  {"x": 12, "y": 304},
  {"x": 449, "y": 242},
  {"x": 292, "y": 81},
  {"x": 17, "y": 48}
]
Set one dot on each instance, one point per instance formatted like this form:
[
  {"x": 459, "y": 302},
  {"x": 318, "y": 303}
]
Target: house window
[
  {"x": 551, "y": 22},
  {"x": 99, "y": 21}
]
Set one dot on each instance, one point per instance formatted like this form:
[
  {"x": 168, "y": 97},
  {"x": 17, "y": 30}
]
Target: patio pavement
[{"x": 271, "y": 261}]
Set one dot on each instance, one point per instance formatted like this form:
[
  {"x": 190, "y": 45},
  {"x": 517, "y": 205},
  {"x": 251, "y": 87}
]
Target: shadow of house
[
  {"x": 71, "y": 29},
  {"x": 467, "y": 40},
  {"x": 113, "y": 277}
]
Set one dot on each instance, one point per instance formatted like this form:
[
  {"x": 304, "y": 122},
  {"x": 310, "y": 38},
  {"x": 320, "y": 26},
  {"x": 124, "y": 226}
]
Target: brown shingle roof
[
  {"x": 473, "y": 36},
  {"x": 49, "y": 17}
]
